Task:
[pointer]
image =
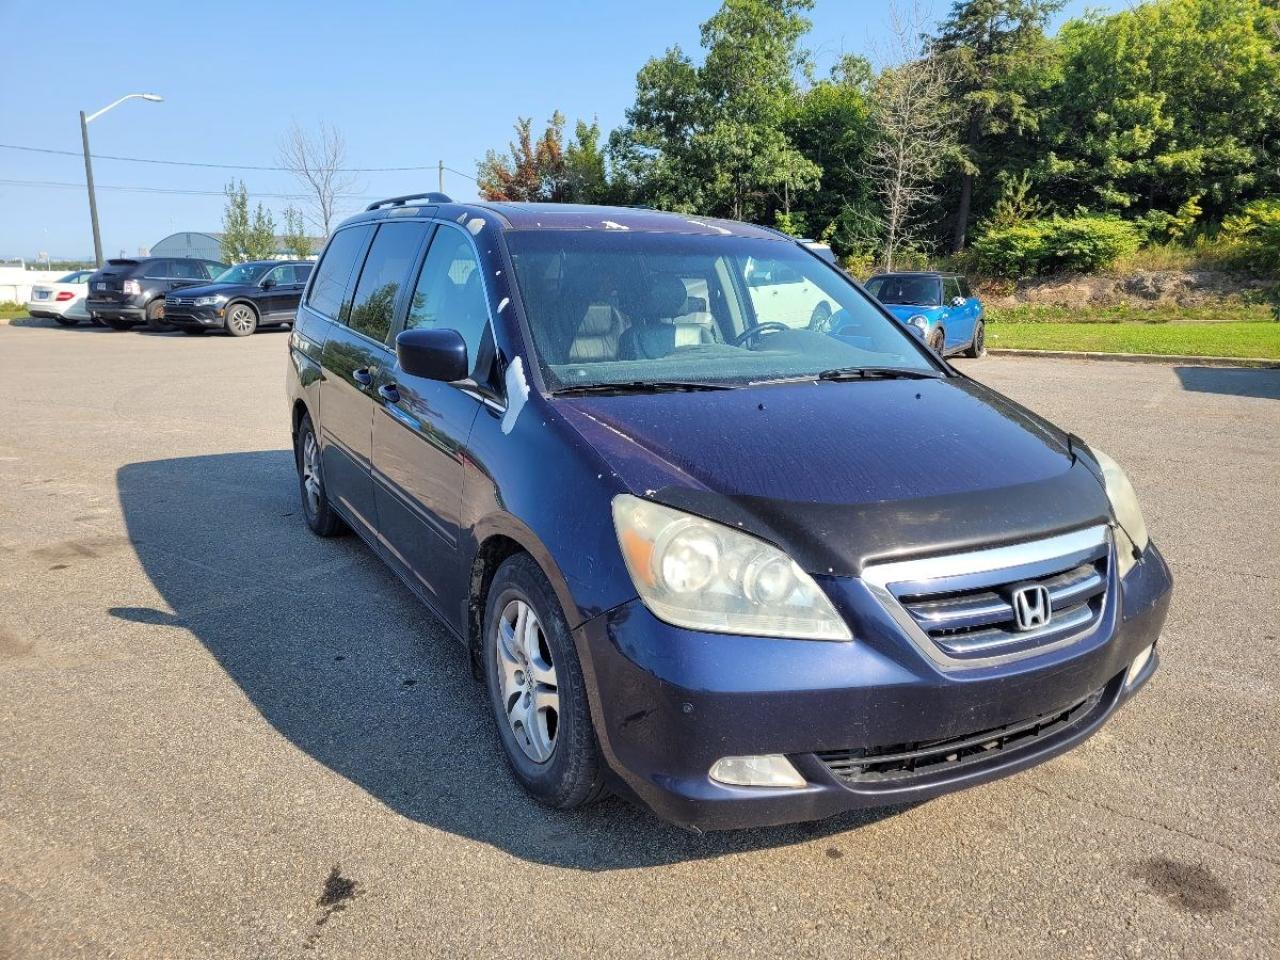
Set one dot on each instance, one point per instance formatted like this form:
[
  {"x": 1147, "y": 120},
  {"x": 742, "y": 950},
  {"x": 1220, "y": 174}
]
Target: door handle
[
  {"x": 389, "y": 392},
  {"x": 362, "y": 376}
]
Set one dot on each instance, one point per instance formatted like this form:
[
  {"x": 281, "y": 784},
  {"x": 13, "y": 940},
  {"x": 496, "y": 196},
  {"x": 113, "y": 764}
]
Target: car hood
[
  {"x": 842, "y": 474},
  {"x": 905, "y": 311},
  {"x": 213, "y": 289}
]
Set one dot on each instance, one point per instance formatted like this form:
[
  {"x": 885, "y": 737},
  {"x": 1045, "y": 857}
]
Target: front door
[{"x": 421, "y": 427}]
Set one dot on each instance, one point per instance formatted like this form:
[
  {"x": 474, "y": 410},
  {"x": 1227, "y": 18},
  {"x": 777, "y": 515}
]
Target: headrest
[
  {"x": 597, "y": 321},
  {"x": 667, "y": 296}
]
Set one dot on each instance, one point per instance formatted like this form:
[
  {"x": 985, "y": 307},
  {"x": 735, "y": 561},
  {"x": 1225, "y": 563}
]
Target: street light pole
[
  {"x": 88, "y": 164},
  {"x": 93, "y": 201}
]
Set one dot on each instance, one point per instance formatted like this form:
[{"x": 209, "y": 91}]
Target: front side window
[
  {"x": 449, "y": 292},
  {"x": 386, "y": 269},
  {"x": 281, "y": 275},
  {"x": 631, "y": 307},
  {"x": 910, "y": 291},
  {"x": 334, "y": 273},
  {"x": 242, "y": 273},
  {"x": 189, "y": 270}
]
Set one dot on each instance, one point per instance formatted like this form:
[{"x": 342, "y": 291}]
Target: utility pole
[
  {"x": 93, "y": 201},
  {"x": 441, "y": 176}
]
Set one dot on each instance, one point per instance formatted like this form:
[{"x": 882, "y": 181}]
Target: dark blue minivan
[{"x": 718, "y": 533}]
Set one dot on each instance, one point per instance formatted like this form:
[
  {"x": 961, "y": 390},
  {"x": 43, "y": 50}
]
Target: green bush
[
  {"x": 1081, "y": 244},
  {"x": 1257, "y": 229}
]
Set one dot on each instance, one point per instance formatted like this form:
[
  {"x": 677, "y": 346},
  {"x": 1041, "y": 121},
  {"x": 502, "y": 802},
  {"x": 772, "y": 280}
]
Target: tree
[
  {"x": 831, "y": 125},
  {"x": 317, "y": 163},
  {"x": 1166, "y": 101},
  {"x": 246, "y": 237},
  {"x": 915, "y": 134},
  {"x": 585, "y": 165},
  {"x": 296, "y": 241},
  {"x": 709, "y": 138},
  {"x": 530, "y": 171}
]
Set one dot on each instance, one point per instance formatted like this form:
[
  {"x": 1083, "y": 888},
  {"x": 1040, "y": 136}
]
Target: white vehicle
[{"x": 63, "y": 300}]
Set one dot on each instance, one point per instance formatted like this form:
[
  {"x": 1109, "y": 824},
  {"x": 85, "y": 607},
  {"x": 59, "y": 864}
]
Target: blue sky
[{"x": 407, "y": 82}]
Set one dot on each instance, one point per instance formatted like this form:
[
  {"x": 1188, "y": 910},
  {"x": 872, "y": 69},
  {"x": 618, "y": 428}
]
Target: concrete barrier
[{"x": 15, "y": 283}]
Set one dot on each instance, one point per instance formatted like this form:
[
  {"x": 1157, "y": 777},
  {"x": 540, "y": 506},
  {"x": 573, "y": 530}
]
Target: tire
[
  {"x": 938, "y": 342},
  {"x": 242, "y": 319},
  {"x": 66, "y": 321},
  {"x": 978, "y": 347},
  {"x": 155, "y": 316},
  {"x": 116, "y": 323},
  {"x": 315, "y": 500},
  {"x": 193, "y": 331},
  {"x": 554, "y": 753}
]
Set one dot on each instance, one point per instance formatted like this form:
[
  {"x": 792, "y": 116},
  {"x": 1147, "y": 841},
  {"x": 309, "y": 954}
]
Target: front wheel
[
  {"x": 536, "y": 689},
  {"x": 66, "y": 321},
  {"x": 978, "y": 346},
  {"x": 242, "y": 320}
]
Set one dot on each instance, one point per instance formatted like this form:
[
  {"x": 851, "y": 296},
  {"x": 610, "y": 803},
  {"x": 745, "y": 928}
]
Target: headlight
[
  {"x": 921, "y": 323},
  {"x": 1124, "y": 504},
  {"x": 210, "y": 301},
  {"x": 701, "y": 575}
]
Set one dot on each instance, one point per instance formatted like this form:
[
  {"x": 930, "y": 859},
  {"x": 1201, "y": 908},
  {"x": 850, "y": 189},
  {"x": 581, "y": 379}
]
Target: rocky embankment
[{"x": 1153, "y": 288}]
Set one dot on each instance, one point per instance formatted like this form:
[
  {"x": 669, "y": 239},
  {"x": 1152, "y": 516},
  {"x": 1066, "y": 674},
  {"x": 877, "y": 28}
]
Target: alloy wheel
[
  {"x": 527, "y": 680},
  {"x": 240, "y": 320},
  {"x": 311, "y": 472}
]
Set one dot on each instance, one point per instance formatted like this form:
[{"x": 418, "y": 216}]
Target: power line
[
  {"x": 217, "y": 166},
  {"x": 166, "y": 190}
]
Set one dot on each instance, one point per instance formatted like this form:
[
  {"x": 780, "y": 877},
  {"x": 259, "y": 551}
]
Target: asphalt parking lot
[{"x": 223, "y": 737}]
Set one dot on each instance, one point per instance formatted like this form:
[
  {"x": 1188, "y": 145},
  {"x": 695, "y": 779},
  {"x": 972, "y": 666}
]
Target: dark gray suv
[{"x": 130, "y": 290}]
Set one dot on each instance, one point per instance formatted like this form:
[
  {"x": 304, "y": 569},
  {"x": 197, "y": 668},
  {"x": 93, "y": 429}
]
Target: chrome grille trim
[{"x": 921, "y": 586}]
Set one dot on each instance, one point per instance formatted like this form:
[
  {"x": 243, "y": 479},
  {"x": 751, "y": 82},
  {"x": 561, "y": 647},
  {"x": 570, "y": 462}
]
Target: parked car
[
  {"x": 744, "y": 570},
  {"x": 940, "y": 306},
  {"x": 62, "y": 300},
  {"x": 260, "y": 293},
  {"x": 131, "y": 290}
]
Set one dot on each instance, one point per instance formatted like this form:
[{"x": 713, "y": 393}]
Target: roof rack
[{"x": 401, "y": 201}]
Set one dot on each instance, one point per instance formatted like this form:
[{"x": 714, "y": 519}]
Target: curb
[{"x": 1176, "y": 359}]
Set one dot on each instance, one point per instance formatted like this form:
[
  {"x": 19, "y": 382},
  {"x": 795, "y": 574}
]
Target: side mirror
[
  {"x": 268, "y": 283},
  {"x": 958, "y": 301},
  {"x": 435, "y": 354}
]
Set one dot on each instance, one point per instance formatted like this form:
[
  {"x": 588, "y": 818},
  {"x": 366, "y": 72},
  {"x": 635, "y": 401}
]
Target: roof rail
[{"x": 401, "y": 201}]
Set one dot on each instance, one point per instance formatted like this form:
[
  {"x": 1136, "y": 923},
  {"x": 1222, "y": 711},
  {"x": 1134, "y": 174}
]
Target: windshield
[
  {"x": 627, "y": 308},
  {"x": 242, "y": 273},
  {"x": 913, "y": 291}
]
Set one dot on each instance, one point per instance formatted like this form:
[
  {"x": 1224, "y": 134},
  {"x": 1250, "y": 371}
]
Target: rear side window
[
  {"x": 386, "y": 270},
  {"x": 449, "y": 293},
  {"x": 334, "y": 272},
  {"x": 189, "y": 270}
]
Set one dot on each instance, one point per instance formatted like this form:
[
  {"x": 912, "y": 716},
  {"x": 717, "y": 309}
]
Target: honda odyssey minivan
[{"x": 744, "y": 564}]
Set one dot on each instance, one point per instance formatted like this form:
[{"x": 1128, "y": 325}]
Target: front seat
[
  {"x": 661, "y": 333},
  {"x": 598, "y": 334}
]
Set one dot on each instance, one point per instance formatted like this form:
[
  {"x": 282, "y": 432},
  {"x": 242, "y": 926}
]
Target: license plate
[
  {"x": 99, "y": 286},
  {"x": 42, "y": 294}
]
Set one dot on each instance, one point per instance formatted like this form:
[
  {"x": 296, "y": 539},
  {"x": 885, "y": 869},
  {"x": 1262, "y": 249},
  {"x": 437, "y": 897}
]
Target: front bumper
[
  {"x": 668, "y": 703},
  {"x": 205, "y": 318}
]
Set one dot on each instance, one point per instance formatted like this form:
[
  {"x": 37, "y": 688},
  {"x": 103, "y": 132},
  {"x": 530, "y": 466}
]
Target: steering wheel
[
  {"x": 759, "y": 330},
  {"x": 820, "y": 319}
]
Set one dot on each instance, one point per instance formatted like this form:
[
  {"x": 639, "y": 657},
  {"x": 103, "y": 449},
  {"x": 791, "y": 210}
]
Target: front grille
[
  {"x": 905, "y": 761},
  {"x": 959, "y": 608},
  {"x": 972, "y": 623},
  {"x": 179, "y": 302}
]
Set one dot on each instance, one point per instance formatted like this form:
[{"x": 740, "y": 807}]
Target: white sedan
[{"x": 63, "y": 300}]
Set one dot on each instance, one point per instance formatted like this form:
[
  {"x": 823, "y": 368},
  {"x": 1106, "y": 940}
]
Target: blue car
[
  {"x": 716, "y": 532},
  {"x": 940, "y": 306}
]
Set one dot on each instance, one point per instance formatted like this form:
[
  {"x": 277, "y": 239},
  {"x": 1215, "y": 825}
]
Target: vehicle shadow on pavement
[
  {"x": 343, "y": 661},
  {"x": 1231, "y": 381}
]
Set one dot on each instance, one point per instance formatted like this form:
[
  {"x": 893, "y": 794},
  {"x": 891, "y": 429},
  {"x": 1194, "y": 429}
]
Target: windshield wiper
[
  {"x": 640, "y": 386},
  {"x": 884, "y": 373}
]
